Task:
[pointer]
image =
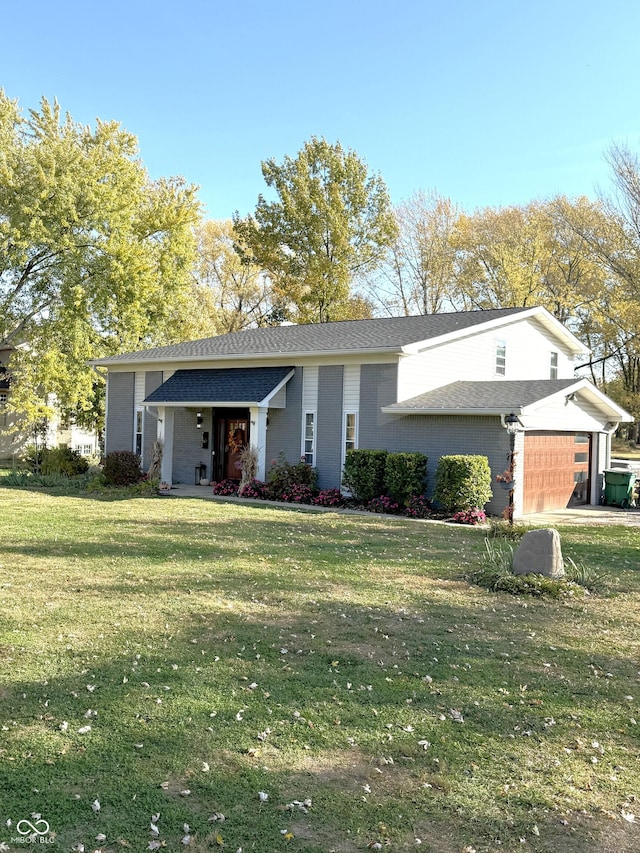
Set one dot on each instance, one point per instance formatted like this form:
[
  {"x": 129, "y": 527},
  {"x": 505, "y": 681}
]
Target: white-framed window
[
  {"x": 309, "y": 438},
  {"x": 3, "y": 399},
  {"x": 138, "y": 431},
  {"x": 501, "y": 358},
  {"x": 553, "y": 365},
  {"x": 350, "y": 431},
  {"x": 3, "y": 408}
]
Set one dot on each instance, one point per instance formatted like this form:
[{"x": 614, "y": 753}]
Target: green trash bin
[{"x": 618, "y": 487}]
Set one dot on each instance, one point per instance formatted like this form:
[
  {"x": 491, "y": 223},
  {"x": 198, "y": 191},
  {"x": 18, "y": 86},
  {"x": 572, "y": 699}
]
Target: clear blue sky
[{"x": 489, "y": 103}]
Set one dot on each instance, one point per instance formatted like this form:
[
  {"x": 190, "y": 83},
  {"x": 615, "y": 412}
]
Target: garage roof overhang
[
  {"x": 236, "y": 386},
  {"x": 499, "y": 398}
]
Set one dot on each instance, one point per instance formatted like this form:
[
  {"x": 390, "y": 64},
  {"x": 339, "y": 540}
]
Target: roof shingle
[{"x": 344, "y": 336}]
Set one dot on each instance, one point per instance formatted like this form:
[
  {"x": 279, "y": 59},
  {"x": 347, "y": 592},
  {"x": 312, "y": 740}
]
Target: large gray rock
[{"x": 540, "y": 553}]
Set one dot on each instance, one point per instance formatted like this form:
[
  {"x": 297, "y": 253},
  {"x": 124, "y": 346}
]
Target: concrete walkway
[{"x": 553, "y": 518}]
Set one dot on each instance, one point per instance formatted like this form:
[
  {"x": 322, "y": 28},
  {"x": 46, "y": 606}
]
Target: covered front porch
[{"x": 205, "y": 418}]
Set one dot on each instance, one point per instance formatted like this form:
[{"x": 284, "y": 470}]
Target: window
[
  {"x": 3, "y": 399},
  {"x": 501, "y": 358},
  {"x": 350, "y": 432},
  {"x": 309, "y": 449},
  {"x": 3, "y": 409},
  {"x": 139, "y": 429},
  {"x": 553, "y": 366}
]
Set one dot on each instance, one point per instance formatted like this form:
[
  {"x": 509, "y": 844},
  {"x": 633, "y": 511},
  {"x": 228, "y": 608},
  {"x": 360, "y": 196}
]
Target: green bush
[
  {"x": 363, "y": 473},
  {"x": 405, "y": 476},
  {"x": 284, "y": 475},
  {"x": 463, "y": 482},
  {"x": 63, "y": 460},
  {"x": 122, "y": 468}
]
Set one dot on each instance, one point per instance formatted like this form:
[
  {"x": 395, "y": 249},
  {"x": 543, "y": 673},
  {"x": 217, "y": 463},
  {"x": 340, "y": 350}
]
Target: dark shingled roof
[
  {"x": 233, "y": 385},
  {"x": 494, "y": 395},
  {"x": 344, "y": 336}
]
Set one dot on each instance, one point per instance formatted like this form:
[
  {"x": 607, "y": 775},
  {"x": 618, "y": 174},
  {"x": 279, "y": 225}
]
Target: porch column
[
  {"x": 258, "y": 437},
  {"x": 165, "y": 435}
]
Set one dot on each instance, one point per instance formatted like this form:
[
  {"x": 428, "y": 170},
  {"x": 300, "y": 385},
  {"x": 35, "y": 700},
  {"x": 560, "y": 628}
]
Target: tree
[
  {"x": 332, "y": 223},
  {"x": 232, "y": 294},
  {"x": 525, "y": 256},
  {"x": 614, "y": 239},
  {"x": 95, "y": 257},
  {"x": 418, "y": 274}
]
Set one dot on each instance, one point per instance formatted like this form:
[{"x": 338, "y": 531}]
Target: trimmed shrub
[
  {"x": 284, "y": 475},
  {"x": 63, "y": 460},
  {"x": 122, "y": 468},
  {"x": 405, "y": 475},
  {"x": 463, "y": 482},
  {"x": 363, "y": 473}
]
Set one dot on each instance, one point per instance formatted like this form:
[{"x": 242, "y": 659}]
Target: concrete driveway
[{"x": 584, "y": 515}]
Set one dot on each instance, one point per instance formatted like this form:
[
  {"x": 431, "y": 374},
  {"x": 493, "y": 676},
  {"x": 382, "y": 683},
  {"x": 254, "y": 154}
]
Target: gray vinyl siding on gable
[
  {"x": 284, "y": 433},
  {"x": 329, "y": 426},
  {"x": 152, "y": 379},
  {"x": 120, "y": 412}
]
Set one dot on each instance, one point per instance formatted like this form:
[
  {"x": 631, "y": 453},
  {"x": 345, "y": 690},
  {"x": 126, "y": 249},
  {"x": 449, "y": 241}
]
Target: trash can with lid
[{"x": 618, "y": 487}]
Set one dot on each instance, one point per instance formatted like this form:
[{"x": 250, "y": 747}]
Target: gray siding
[
  {"x": 187, "y": 445},
  {"x": 120, "y": 413},
  {"x": 152, "y": 379},
  {"x": 434, "y": 435},
  {"x": 329, "y": 427},
  {"x": 378, "y": 383},
  {"x": 284, "y": 433}
]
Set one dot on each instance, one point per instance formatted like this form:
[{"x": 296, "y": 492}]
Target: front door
[{"x": 236, "y": 432}]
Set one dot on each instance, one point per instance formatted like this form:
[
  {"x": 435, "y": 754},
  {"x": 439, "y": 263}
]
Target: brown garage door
[{"x": 556, "y": 470}]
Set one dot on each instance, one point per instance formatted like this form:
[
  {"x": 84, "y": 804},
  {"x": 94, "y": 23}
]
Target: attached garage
[{"x": 556, "y": 468}]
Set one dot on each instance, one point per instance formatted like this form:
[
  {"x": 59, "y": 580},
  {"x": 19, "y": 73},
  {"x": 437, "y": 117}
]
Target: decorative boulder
[{"x": 539, "y": 553}]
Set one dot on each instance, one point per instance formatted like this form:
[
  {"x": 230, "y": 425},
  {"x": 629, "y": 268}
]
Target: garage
[{"x": 556, "y": 470}]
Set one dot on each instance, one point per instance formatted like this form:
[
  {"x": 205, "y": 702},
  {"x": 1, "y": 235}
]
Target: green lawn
[{"x": 338, "y": 664}]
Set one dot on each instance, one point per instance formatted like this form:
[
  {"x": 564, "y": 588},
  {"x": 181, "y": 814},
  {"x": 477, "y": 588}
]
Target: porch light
[
  {"x": 511, "y": 424},
  {"x": 198, "y": 420}
]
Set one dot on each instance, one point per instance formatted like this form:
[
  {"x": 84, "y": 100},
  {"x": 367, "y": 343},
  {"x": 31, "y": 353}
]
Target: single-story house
[{"x": 439, "y": 384}]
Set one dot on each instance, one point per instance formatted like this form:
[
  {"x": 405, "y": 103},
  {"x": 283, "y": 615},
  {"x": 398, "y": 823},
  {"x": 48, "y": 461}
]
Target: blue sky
[{"x": 490, "y": 103}]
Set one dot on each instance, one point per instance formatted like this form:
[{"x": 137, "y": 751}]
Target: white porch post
[
  {"x": 258, "y": 437},
  {"x": 165, "y": 435}
]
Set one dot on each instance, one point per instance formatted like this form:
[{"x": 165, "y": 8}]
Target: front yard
[{"x": 182, "y": 674}]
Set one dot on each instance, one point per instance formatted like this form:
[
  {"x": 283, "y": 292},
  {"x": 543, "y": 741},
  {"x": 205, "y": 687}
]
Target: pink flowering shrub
[
  {"x": 225, "y": 487},
  {"x": 418, "y": 507},
  {"x": 254, "y": 489},
  {"x": 329, "y": 498},
  {"x": 297, "y": 493},
  {"x": 470, "y": 516},
  {"x": 383, "y": 504}
]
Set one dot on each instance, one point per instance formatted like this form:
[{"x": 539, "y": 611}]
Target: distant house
[
  {"x": 440, "y": 384},
  {"x": 14, "y": 437}
]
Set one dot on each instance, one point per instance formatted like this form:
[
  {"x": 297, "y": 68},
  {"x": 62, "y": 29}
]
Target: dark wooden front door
[{"x": 236, "y": 432}]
